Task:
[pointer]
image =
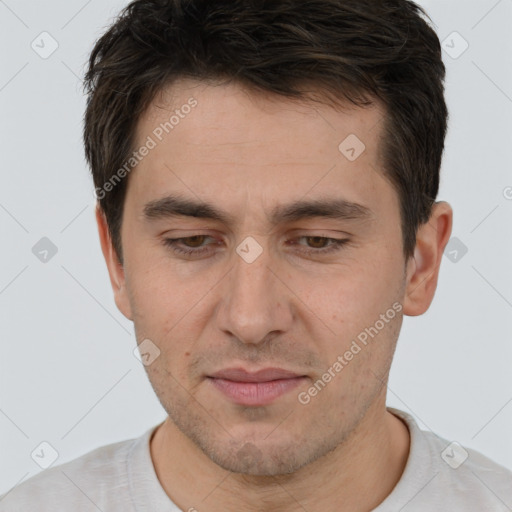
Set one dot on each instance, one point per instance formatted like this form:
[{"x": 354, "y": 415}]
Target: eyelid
[{"x": 334, "y": 245}]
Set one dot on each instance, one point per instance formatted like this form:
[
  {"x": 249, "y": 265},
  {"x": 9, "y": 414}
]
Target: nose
[{"x": 255, "y": 303}]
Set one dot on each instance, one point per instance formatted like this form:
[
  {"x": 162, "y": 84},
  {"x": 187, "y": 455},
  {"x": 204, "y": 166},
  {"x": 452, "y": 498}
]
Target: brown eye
[
  {"x": 190, "y": 245},
  {"x": 317, "y": 242},
  {"x": 194, "y": 241},
  {"x": 319, "y": 245}
]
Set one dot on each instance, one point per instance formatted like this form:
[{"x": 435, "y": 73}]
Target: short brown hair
[{"x": 352, "y": 50}]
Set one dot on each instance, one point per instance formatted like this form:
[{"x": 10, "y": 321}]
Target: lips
[
  {"x": 265, "y": 375},
  {"x": 255, "y": 388}
]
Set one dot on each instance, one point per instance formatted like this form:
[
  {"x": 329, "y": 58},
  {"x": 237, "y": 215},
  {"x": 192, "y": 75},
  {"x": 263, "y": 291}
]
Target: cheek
[
  {"x": 169, "y": 312},
  {"x": 348, "y": 298},
  {"x": 159, "y": 295}
]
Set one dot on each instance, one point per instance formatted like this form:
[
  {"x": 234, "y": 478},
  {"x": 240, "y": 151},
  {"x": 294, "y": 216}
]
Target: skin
[{"x": 246, "y": 153}]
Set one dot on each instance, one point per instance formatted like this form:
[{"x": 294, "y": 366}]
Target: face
[{"x": 293, "y": 264}]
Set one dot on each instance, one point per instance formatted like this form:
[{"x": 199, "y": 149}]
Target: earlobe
[
  {"x": 115, "y": 268},
  {"x": 423, "y": 267}
]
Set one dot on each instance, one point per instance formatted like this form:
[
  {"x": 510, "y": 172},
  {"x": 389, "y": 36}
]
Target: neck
[{"x": 357, "y": 476}]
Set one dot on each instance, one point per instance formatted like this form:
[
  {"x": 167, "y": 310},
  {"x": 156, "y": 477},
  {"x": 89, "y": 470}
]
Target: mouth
[{"x": 255, "y": 388}]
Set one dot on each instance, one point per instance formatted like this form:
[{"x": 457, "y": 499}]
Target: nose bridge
[{"x": 254, "y": 303}]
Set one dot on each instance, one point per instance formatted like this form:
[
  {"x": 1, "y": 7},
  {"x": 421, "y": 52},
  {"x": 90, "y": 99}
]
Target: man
[{"x": 266, "y": 175}]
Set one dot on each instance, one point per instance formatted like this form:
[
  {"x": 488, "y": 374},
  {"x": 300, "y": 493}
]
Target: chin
[
  {"x": 261, "y": 457},
  {"x": 254, "y": 460}
]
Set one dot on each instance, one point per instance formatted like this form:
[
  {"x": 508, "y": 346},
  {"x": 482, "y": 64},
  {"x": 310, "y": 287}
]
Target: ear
[
  {"x": 114, "y": 266},
  {"x": 423, "y": 267}
]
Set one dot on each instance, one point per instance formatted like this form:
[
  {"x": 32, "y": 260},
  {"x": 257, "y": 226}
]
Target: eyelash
[{"x": 335, "y": 245}]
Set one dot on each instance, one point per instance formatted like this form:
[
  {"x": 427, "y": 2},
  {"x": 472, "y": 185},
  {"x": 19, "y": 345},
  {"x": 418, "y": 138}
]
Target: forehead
[
  {"x": 246, "y": 118},
  {"x": 228, "y": 142}
]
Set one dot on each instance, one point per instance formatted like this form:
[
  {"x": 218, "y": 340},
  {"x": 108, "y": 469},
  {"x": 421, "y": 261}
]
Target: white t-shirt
[{"x": 120, "y": 477}]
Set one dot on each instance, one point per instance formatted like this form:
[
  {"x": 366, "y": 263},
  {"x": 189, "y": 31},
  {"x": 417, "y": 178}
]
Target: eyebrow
[{"x": 177, "y": 206}]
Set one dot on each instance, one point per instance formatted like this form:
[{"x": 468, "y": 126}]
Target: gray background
[{"x": 67, "y": 369}]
